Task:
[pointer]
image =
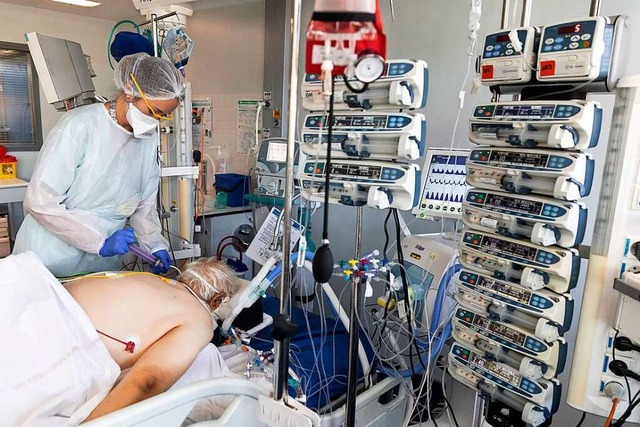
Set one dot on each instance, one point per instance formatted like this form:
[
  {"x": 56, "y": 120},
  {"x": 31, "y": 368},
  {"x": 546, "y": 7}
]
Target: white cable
[{"x": 345, "y": 321}]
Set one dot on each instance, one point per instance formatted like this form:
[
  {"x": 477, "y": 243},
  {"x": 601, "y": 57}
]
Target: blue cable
[{"x": 435, "y": 321}]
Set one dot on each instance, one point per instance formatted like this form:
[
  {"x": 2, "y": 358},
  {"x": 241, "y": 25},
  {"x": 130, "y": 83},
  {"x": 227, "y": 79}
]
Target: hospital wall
[
  {"x": 436, "y": 31},
  {"x": 91, "y": 33},
  {"x": 226, "y": 66}
]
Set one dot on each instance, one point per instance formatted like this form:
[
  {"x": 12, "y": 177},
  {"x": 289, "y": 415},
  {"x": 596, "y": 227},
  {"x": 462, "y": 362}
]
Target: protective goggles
[{"x": 156, "y": 114}]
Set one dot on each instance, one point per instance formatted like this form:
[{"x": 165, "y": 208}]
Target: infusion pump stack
[{"x": 529, "y": 171}]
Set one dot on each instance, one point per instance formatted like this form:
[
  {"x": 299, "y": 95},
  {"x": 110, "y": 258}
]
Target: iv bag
[
  {"x": 178, "y": 46},
  {"x": 350, "y": 27}
]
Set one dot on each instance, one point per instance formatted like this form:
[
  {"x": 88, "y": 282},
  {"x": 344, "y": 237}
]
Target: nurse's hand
[
  {"x": 165, "y": 259},
  {"x": 118, "y": 243}
]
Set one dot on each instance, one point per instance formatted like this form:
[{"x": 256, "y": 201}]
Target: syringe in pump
[
  {"x": 542, "y": 220},
  {"x": 403, "y": 85},
  {"x": 562, "y": 175},
  {"x": 531, "y": 414}
]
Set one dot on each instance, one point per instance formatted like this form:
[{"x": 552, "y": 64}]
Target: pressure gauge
[{"x": 369, "y": 68}]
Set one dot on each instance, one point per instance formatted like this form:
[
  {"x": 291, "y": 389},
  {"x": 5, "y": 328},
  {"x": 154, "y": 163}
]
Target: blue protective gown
[{"x": 92, "y": 175}]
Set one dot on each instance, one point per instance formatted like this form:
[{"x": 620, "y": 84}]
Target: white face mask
[{"x": 143, "y": 126}]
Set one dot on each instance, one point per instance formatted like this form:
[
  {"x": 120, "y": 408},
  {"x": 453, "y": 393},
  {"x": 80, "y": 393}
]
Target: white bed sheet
[{"x": 54, "y": 369}]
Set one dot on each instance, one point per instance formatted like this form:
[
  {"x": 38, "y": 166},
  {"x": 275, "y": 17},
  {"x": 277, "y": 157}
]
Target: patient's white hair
[{"x": 208, "y": 277}]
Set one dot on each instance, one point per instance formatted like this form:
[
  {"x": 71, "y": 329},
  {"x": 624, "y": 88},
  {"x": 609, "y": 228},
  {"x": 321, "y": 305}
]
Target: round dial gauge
[{"x": 369, "y": 68}]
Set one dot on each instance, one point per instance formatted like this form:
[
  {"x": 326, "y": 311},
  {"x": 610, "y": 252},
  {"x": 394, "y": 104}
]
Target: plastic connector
[
  {"x": 547, "y": 330},
  {"x": 614, "y": 390},
  {"x": 515, "y": 41},
  {"x": 532, "y": 414},
  {"x": 625, "y": 344}
]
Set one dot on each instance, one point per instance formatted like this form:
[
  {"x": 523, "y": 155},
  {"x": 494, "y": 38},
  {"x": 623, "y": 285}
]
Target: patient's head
[{"x": 211, "y": 279}]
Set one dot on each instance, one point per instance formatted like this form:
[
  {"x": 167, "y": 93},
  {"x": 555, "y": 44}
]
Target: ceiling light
[{"x": 84, "y": 3}]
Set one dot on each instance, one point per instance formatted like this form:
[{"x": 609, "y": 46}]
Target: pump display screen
[
  {"x": 498, "y": 370},
  {"x": 510, "y": 292},
  {"x": 360, "y": 121},
  {"x": 519, "y": 158},
  {"x": 277, "y": 152},
  {"x": 370, "y": 172},
  {"x": 525, "y": 111},
  {"x": 502, "y": 38},
  {"x": 503, "y": 331},
  {"x": 511, "y": 203},
  {"x": 570, "y": 29},
  {"x": 511, "y": 248}
]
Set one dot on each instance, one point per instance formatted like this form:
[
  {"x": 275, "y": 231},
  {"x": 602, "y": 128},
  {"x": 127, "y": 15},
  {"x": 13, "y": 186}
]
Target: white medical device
[
  {"x": 532, "y": 414},
  {"x": 529, "y": 265},
  {"x": 541, "y": 220},
  {"x": 509, "y": 56},
  {"x": 558, "y": 308},
  {"x": 382, "y": 136},
  {"x": 562, "y": 175},
  {"x": 427, "y": 262},
  {"x": 541, "y": 392},
  {"x": 544, "y": 329},
  {"x": 584, "y": 50},
  {"x": 403, "y": 85},
  {"x": 540, "y": 357},
  {"x": 570, "y": 125},
  {"x": 526, "y": 366},
  {"x": 357, "y": 183},
  {"x": 63, "y": 70},
  {"x": 271, "y": 163},
  {"x": 443, "y": 185}
]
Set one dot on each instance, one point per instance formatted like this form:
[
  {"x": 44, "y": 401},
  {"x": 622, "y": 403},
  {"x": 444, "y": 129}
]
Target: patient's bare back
[{"x": 140, "y": 307}]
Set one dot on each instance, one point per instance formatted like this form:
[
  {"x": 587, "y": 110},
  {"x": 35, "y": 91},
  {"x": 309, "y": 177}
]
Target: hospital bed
[{"x": 385, "y": 403}]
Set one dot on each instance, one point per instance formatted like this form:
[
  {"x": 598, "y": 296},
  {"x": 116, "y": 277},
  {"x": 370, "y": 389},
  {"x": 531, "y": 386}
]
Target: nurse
[{"x": 94, "y": 186}]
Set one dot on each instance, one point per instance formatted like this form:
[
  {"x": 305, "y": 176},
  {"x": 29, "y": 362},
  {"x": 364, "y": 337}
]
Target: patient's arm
[{"x": 158, "y": 368}]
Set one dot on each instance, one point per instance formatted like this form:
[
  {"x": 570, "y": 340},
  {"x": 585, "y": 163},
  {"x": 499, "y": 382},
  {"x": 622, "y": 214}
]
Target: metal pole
[
  {"x": 354, "y": 333},
  {"x": 525, "y": 17},
  {"x": 159, "y": 18},
  {"x": 154, "y": 33},
  {"x": 282, "y": 347},
  {"x": 594, "y": 10},
  {"x": 504, "y": 18},
  {"x": 478, "y": 405}
]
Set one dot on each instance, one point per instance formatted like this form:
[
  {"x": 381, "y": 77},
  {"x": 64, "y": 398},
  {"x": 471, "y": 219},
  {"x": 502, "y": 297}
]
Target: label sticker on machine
[
  {"x": 514, "y": 159},
  {"x": 548, "y": 68},
  {"x": 501, "y": 246},
  {"x": 509, "y": 203},
  {"x": 487, "y": 71}
]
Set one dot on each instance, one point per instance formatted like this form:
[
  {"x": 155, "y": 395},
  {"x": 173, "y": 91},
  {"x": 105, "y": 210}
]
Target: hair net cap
[{"x": 158, "y": 77}]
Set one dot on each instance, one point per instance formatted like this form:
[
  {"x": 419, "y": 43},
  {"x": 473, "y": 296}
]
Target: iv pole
[
  {"x": 282, "y": 346},
  {"x": 354, "y": 332}
]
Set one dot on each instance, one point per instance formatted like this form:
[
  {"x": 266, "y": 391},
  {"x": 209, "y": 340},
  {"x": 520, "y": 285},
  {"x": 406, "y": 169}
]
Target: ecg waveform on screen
[{"x": 445, "y": 182}]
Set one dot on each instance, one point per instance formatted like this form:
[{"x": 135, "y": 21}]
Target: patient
[{"x": 153, "y": 325}]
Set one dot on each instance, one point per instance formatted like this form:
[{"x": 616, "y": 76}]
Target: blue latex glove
[
  {"x": 165, "y": 259},
  {"x": 118, "y": 243}
]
